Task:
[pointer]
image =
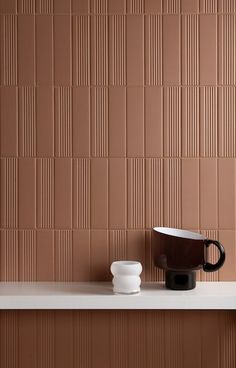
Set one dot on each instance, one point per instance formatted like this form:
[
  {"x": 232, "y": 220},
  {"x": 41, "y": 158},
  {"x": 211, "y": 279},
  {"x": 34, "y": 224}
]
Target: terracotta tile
[
  {"x": 136, "y": 339},
  {"x": 152, "y": 273},
  {"x": 8, "y": 6},
  {"x": 27, "y": 255},
  {"x": 190, "y": 193},
  {"x": 81, "y": 121},
  {"x": 135, "y": 50},
  {"x": 135, "y": 122},
  {"x": 153, "y": 6},
  {"x": 28, "y": 339},
  {"x": 45, "y": 255},
  {"x": 63, "y": 193},
  {"x": 172, "y": 7},
  {"x": 171, "y": 49},
  {"x": 208, "y": 194},
  {"x": 190, "y": 121},
  {"x": 9, "y": 192},
  {"x": 64, "y": 339},
  {"x": 63, "y": 253},
  {"x": 44, "y": 6},
  {"x": 99, "y": 121},
  {"x": 9, "y": 330},
  {"x": 117, "y": 245},
  {"x": 81, "y": 193},
  {"x": 173, "y": 335},
  {"x": 117, "y": 50},
  {"x": 226, "y": 190},
  {"x": 81, "y": 255},
  {"x": 136, "y": 193},
  {"x": 136, "y": 247},
  {"x": 80, "y": 7},
  {"x": 155, "y": 327},
  {"x": 210, "y": 340},
  {"x": 82, "y": 338},
  {"x": 9, "y": 45},
  {"x": 99, "y": 50},
  {"x": 99, "y": 6},
  {"x": 62, "y": 50},
  {"x": 100, "y": 326},
  {"x": 226, "y": 6},
  {"x": 135, "y": 6},
  {"x": 189, "y": 6},
  {"x": 9, "y": 121},
  {"x": 153, "y": 50},
  {"x": 208, "y": 6},
  {"x": 228, "y": 271},
  {"x": 27, "y": 193},
  {"x": 62, "y": 7},
  {"x": 81, "y": 50},
  {"x": 44, "y": 49},
  {"x": 100, "y": 267},
  {"x": 117, "y": 193},
  {"x": 226, "y": 118},
  {"x": 63, "y": 121},
  {"x": 117, "y": 121},
  {"x": 26, "y": 49},
  {"x": 117, "y": 7},
  {"x": 99, "y": 193},
  {"x": 172, "y": 193},
  {"x": 154, "y": 192},
  {"x": 26, "y": 7},
  {"x": 27, "y": 121},
  {"x": 44, "y": 121},
  {"x": 45, "y": 193},
  {"x": 208, "y": 51},
  {"x": 153, "y": 121},
  {"x": 118, "y": 324},
  {"x": 192, "y": 339},
  {"x": 45, "y": 338},
  {"x": 9, "y": 255}
]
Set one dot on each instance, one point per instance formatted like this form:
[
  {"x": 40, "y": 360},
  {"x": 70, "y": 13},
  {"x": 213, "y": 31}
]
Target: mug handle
[{"x": 209, "y": 267}]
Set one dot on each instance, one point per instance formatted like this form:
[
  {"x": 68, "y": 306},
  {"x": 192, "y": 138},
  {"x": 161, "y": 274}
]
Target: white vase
[{"x": 126, "y": 278}]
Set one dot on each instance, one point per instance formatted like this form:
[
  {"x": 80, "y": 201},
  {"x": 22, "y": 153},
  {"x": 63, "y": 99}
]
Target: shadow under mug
[{"x": 180, "y": 253}]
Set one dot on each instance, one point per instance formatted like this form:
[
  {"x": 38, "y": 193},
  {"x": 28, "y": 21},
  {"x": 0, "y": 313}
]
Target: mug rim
[
  {"x": 179, "y": 233},
  {"x": 126, "y": 263}
]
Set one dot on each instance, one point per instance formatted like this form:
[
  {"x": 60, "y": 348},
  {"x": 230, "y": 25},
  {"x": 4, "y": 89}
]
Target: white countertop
[{"x": 99, "y": 295}]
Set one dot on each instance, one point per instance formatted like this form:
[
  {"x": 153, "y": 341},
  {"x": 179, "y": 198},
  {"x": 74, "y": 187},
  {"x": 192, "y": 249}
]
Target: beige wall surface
[{"x": 115, "y": 116}]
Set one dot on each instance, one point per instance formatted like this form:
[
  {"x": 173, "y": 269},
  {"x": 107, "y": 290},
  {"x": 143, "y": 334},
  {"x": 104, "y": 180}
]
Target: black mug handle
[{"x": 209, "y": 267}]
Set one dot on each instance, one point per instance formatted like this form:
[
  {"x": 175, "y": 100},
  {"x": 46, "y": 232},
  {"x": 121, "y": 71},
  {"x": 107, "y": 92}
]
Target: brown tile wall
[{"x": 116, "y": 116}]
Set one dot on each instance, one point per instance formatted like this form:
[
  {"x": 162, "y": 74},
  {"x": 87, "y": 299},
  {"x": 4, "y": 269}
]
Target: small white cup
[{"x": 126, "y": 278}]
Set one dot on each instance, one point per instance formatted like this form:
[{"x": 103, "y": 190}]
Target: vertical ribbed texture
[
  {"x": 9, "y": 201},
  {"x": 26, "y": 6},
  {"x": 137, "y": 348},
  {"x": 100, "y": 50},
  {"x": 82, "y": 339},
  {"x": 191, "y": 49},
  {"x": 173, "y": 340},
  {"x": 28, "y": 118},
  {"x": 64, "y": 121},
  {"x": 28, "y": 255},
  {"x": 46, "y": 197},
  {"x": 100, "y": 148},
  {"x": 173, "y": 188},
  {"x": 118, "y": 332},
  {"x": 82, "y": 193},
  {"x": 82, "y": 50},
  {"x": 154, "y": 192},
  {"x": 135, "y": 6},
  {"x": 228, "y": 49},
  {"x": 172, "y": 6},
  {"x": 9, "y": 55},
  {"x": 10, "y": 257},
  {"x": 99, "y": 6},
  {"x": 228, "y": 119},
  {"x": 45, "y": 339},
  {"x": 46, "y": 6},
  {"x": 137, "y": 193},
  {"x": 209, "y": 6},
  {"x": 173, "y": 122},
  {"x": 154, "y": 50},
  {"x": 212, "y": 256},
  {"x": 64, "y": 255},
  {"x": 228, "y": 6},
  {"x": 191, "y": 113},
  {"x": 155, "y": 321},
  {"x": 117, "y": 245},
  {"x": 210, "y": 142},
  {"x": 9, "y": 342},
  {"x": 152, "y": 273},
  {"x": 118, "y": 50},
  {"x": 228, "y": 340}
]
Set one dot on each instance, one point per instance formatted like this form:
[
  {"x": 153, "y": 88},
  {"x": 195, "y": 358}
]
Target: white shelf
[{"x": 99, "y": 295}]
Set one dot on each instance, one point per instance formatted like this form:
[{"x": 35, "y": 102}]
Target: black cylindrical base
[{"x": 180, "y": 280}]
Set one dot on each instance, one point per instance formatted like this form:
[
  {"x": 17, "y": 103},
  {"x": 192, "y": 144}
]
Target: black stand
[{"x": 180, "y": 280}]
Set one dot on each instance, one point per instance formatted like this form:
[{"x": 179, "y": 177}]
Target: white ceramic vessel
[{"x": 126, "y": 278}]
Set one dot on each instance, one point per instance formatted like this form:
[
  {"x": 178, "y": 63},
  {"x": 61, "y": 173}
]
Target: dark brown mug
[{"x": 183, "y": 251}]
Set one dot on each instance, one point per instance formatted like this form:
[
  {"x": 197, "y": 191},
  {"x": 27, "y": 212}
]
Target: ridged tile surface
[{"x": 115, "y": 116}]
